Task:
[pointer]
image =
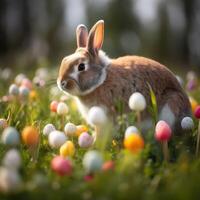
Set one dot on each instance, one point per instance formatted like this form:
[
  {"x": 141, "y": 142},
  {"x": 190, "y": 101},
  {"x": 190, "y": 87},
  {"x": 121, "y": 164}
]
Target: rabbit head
[{"x": 83, "y": 71}]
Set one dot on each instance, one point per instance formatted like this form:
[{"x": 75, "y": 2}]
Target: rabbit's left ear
[
  {"x": 95, "y": 38},
  {"x": 81, "y": 35}
]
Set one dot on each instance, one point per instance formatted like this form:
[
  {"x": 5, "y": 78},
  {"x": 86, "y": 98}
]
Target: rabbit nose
[{"x": 63, "y": 84}]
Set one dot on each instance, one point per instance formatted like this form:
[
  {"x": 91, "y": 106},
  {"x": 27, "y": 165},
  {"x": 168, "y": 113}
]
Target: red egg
[
  {"x": 62, "y": 166},
  {"x": 88, "y": 178},
  {"x": 53, "y": 106},
  {"x": 109, "y": 165},
  {"x": 163, "y": 131},
  {"x": 197, "y": 112}
]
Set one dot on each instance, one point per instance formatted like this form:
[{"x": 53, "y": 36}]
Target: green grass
[{"x": 141, "y": 176}]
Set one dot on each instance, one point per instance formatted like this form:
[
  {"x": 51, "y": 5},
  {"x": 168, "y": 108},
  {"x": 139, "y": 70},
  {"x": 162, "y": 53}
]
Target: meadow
[{"x": 117, "y": 171}]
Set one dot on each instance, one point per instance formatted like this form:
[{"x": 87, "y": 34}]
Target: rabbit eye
[{"x": 81, "y": 67}]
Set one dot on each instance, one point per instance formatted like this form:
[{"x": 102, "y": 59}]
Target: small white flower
[
  {"x": 56, "y": 139},
  {"x": 70, "y": 129},
  {"x": 187, "y": 123},
  {"x": 12, "y": 159},
  {"x": 97, "y": 116},
  {"x": 131, "y": 130},
  {"x": 62, "y": 108},
  {"x": 48, "y": 129},
  {"x": 137, "y": 102}
]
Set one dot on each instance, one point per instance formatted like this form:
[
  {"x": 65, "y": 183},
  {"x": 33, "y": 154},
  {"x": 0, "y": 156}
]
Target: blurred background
[{"x": 42, "y": 32}]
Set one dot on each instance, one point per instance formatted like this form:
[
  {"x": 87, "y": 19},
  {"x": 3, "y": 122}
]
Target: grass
[{"x": 136, "y": 176}]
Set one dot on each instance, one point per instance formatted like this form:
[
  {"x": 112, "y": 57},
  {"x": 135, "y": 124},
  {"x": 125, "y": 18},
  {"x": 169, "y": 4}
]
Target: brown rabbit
[{"x": 96, "y": 80}]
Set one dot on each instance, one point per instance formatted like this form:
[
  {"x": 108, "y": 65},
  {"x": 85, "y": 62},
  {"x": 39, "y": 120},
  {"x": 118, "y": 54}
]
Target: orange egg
[
  {"x": 80, "y": 129},
  {"x": 134, "y": 143},
  {"x": 193, "y": 103},
  {"x": 33, "y": 95},
  {"x": 53, "y": 106},
  {"x": 30, "y": 136}
]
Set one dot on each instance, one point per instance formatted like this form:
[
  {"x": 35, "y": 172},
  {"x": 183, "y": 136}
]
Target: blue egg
[
  {"x": 10, "y": 136},
  {"x": 187, "y": 123},
  {"x": 92, "y": 161},
  {"x": 24, "y": 91}
]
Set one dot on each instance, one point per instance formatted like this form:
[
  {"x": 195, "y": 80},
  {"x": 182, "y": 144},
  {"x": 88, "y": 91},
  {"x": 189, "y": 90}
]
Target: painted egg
[
  {"x": 162, "y": 131},
  {"x": 131, "y": 130},
  {"x": 80, "y": 129},
  {"x": 67, "y": 149},
  {"x": 187, "y": 123},
  {"x": 56, "y": 139},
  {"x": 92, "y": 161},
  {"x": 62, "y": 166},
  {"x": 27, "y": 83},
  {"x": 85, "y": 140},
  {"x": 197, "y": 112},
  {"x": 10, "y": 136},
  {"x": 62, "y": 108},
  {"x": 48, "y": 129},
  {"x": 19, "y": 78},
  {"x": 24, "y": 91},
  {"x": 30, "y": 136},
  {"x": 53, "y": 106},
  {"x": 13, "y": 90},
  {"x": 108, "y": 165},
  {"x": 70, "y": 129},
  {"x": 134, "y": 143}
]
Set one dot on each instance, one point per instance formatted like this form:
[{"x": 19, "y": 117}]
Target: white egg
[
  {"x": 70, "y": 129},
  {"x": 10, "y": 180},
  {"x": 97, "y": 116},
  {"x": 12, "y": 159},
  {"x": 131, "y": 130},
  {"x": 57, "y": 139},
  {"x": 187, "y": 123},
  {"x": 92, "y": 161},
  {"x": 137, "y": 102},
  {"x": 62, "y": 108},
  {"x": 19, "y": 78},
  {"x": 13, "y": 90},
  {"x": 48, "y": 129}
]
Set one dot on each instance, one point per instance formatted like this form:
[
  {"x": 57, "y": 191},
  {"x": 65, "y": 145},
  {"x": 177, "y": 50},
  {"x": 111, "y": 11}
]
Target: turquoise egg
[{"x": 10, "y": 136}]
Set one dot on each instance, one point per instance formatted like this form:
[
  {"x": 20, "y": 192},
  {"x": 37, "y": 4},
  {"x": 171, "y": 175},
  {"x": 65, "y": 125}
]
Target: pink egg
[
  {"x": 197, "y": 112},
  {"x": 108, "y": 165},
  {"x": 62, "y": 166},
  {"x": 85, "y": 140},
  {"x": 27, "y": 83},
  {"x": 53, "y": 106},
  {"x": 163, "y": 131},
  {"x": 88, "y": 178}
]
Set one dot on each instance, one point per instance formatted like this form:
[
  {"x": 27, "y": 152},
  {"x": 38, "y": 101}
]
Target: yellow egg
[
  {"x": 67, "y": 149},
  {"x": 80, "y": 129},
  {"x": 30, "y": 136},
  {"x": 134, "y": 143},
  {"x": 193, "y": 103},
  {"x": 33, "y": 95}
]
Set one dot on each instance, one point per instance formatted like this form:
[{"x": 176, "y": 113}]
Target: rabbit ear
[
  {"x": 95, "y": 38},
  {"x": 81, "y": 35}
]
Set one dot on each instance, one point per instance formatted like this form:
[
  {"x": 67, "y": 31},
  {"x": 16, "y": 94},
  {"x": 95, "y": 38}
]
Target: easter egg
[
  {"x": 3, "y": 123},
  {"x": 10, "y": 180},
  {"x": 80, "y": 129},
  {"x": 97, "y": 116},
  {"x": 137, "y": 102},
  {"x": 193, "y": 103},
  {"x": 13, "y": 90},
  {"x": 53, "y": 106},
  {"x": 131, "y": 130},
  {"x": 56, "y": 139},
  {"x": 67, "y": 149},
  {"x": 48, "y": 129},
  {"x": 92, "y": 161},
  {"x": 24, "y": 91},
  {"x": 70, "y": 129},
  {"x": 134, "y": 143},
  {"x": 162, "y": 131},
  {"x": 26, "y": 83},
  {"x": 88, "y": 177},
  {"x": 108, "y": 165},
  {"x": 62, "y": 108},
  {"x": 12, "y": 159},
  {"x": 187, "y": 123},
  {"x": 197, "y": 112},
  {"x": 19, "y": 78},
  {"x": 85, "y": 140},
  {"x": 62, "y": 166},
  {"x": 30, "y": 136},
  {"x": 33, "y": 95},
  {"x": 10, "y": 136}
]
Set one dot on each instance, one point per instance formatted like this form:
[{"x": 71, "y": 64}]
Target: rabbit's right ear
[{"x": 81, "y": 35}]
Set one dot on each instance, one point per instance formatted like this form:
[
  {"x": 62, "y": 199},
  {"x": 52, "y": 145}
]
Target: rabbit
[{"x": 94, "y": 79}]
